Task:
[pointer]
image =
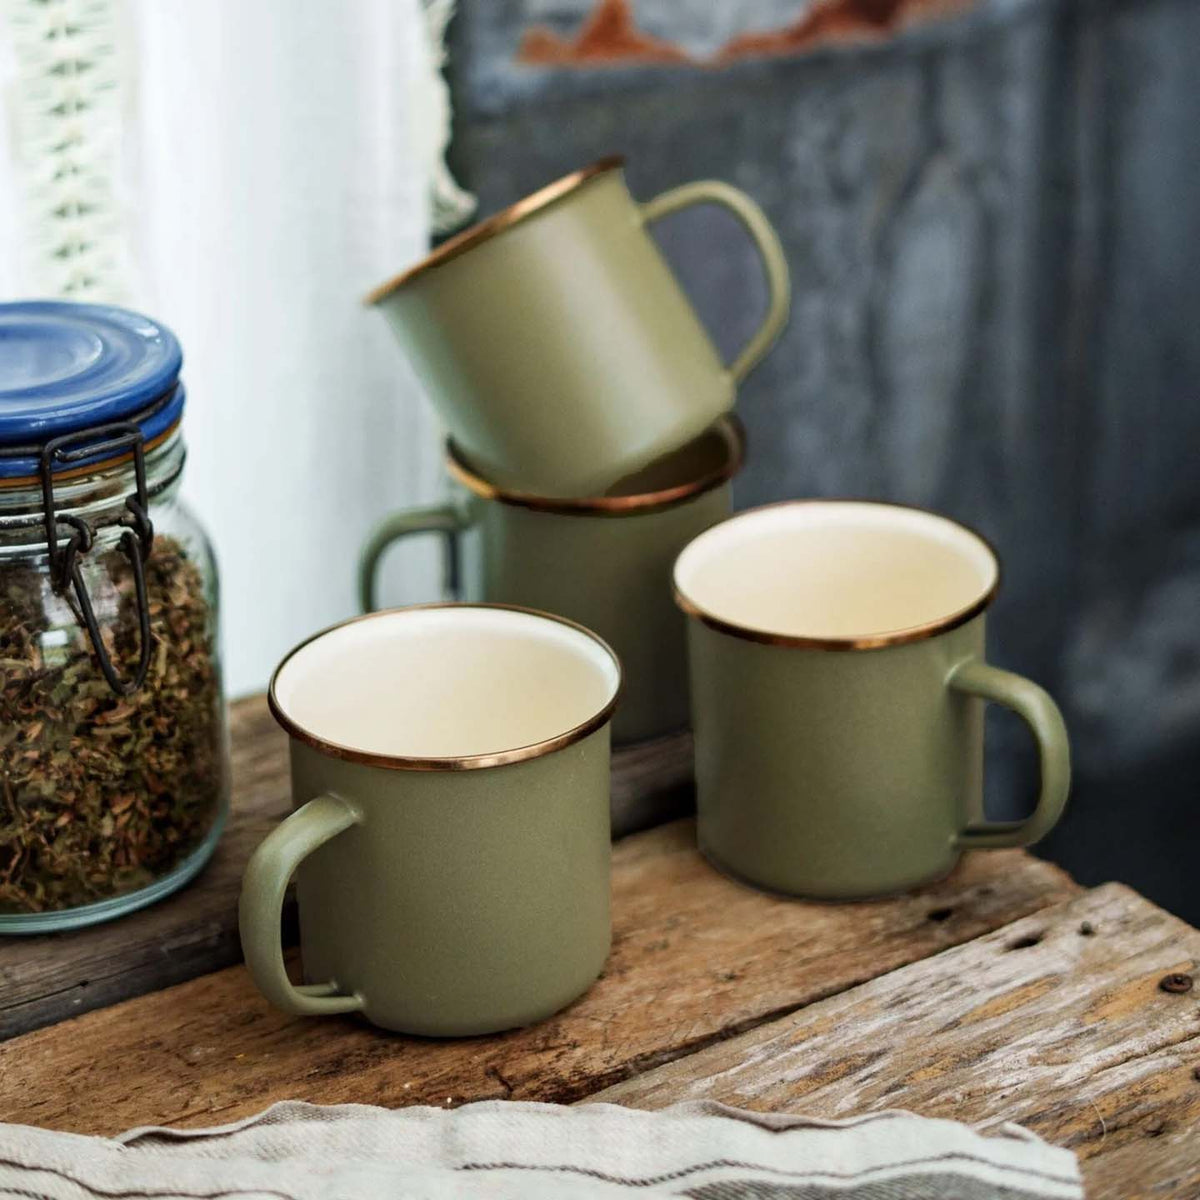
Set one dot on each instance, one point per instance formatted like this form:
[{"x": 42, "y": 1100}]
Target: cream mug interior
[
  {"x": 444, "y": 682},
  {"x": 836, "y": 572}
]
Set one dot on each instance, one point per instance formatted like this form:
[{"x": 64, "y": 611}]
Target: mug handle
[
  {"x": 1035, "y": 707},
  {"x": 448, "y": 520},
  {"x": 754, "y": 220},
  {"x": 263, "y": 888}
]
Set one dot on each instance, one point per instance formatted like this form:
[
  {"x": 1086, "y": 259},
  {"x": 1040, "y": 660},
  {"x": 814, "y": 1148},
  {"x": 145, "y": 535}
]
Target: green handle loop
[
  {"x": 448, "y": 520},
  {"x": 761, "y": 231},
  {"x": 1040, "y": 713},
  {"x": 263, "y": 888}
]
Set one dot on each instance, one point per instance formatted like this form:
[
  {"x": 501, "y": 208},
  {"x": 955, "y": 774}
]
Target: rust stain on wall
[
  {"x": 611, "y": 36},
  {"x": 836, "y": 21}
]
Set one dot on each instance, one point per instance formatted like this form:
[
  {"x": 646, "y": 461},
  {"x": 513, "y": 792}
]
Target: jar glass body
[{"x": 107, "y": 801}]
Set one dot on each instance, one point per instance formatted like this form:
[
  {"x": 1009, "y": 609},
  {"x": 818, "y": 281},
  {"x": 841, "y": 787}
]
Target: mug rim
[
  {"x": 461, "y": 762},
  {"x": 489, "y": 227},
  {"x": 728, "y": 426},
  {"x": 876, "y": 641}
]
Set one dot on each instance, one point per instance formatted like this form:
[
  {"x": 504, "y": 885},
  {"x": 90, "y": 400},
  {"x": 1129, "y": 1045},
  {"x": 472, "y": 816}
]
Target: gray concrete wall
[{"x": 993, "y": 221}]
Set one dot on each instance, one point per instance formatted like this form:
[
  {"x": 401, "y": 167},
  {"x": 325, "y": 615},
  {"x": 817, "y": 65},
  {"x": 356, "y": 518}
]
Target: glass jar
[{"x": 114, "y": 760}]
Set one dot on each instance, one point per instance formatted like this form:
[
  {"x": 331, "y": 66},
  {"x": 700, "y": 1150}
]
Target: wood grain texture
[
  {"x": 696, "y": 958},
  {"x": 1058, "y": 1022},
  {"x": 651, "y": 783},
  {"x": 47, "y": 979}
]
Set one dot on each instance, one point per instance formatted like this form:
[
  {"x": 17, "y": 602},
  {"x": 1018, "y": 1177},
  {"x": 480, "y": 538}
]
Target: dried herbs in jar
[{"x": 113, "y": 747}]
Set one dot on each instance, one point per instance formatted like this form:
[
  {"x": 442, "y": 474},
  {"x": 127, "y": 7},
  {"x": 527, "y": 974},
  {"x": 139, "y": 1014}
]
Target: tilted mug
[
  {"x": 604, "y": 562},
  {"x": 838, "y": 682},
  {"x": 450, "y": 777},
  {"x": 556, "y": 342}
]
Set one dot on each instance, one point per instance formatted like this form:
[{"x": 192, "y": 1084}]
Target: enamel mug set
[{"x": 450, "y": 761}]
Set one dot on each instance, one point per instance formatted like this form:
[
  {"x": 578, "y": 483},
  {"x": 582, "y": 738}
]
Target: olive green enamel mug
[
  {"x": 604, "y": 562},
  {"x": 450, "y": 839},
  {"x": 838, "y": 683},
  {"x": 557, "y": 344}
]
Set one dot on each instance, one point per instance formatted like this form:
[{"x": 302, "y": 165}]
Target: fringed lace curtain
[{"x": 245, "y": 170}]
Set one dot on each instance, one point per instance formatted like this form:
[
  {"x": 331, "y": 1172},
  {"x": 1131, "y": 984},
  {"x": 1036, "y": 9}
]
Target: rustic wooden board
[
  {"x": 696, "y": 958},
  {"x": 1058, "y": 1022},
  {"x": 46, "y": 979},
  {"x": 651, "y": 783}
]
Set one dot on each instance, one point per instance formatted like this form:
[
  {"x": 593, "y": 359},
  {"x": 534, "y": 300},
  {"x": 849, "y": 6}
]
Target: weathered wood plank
[
  {"x": 651, "y": 783},
  {"x": 1164, "y": 1168},
  {"x": 47, "y": 979},
  {"x": 696, "y": 958},
  {"x": 1058, "y": 1022}
]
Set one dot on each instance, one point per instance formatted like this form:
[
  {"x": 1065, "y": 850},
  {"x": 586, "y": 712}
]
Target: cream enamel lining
[{"x": 836, "y": 571}]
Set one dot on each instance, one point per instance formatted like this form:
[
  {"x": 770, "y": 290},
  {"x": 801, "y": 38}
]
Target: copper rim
[
  {"x": 497, "y": 223},
  {"x": 895, "y": 637},
  {"x": 729, "y": 427},
  {"x": 466, "y": 762}
]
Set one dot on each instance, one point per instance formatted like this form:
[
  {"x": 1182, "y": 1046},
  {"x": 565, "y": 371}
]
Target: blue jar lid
[{"x": 67, "y": 368}]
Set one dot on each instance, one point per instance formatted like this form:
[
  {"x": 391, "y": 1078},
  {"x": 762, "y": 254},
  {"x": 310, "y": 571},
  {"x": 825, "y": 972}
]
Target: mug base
[
  {"x": 810, "y": 895},
  {"x": 519, "y": 1019}
]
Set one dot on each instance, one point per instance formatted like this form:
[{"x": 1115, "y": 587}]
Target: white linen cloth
[{"x": 501, "y": 1149}]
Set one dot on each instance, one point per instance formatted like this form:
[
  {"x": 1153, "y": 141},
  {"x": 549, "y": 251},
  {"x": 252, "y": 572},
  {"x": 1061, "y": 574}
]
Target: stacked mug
[
  {"x": 588, "y": 415},
  {"x": 450, "y": 761}
]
